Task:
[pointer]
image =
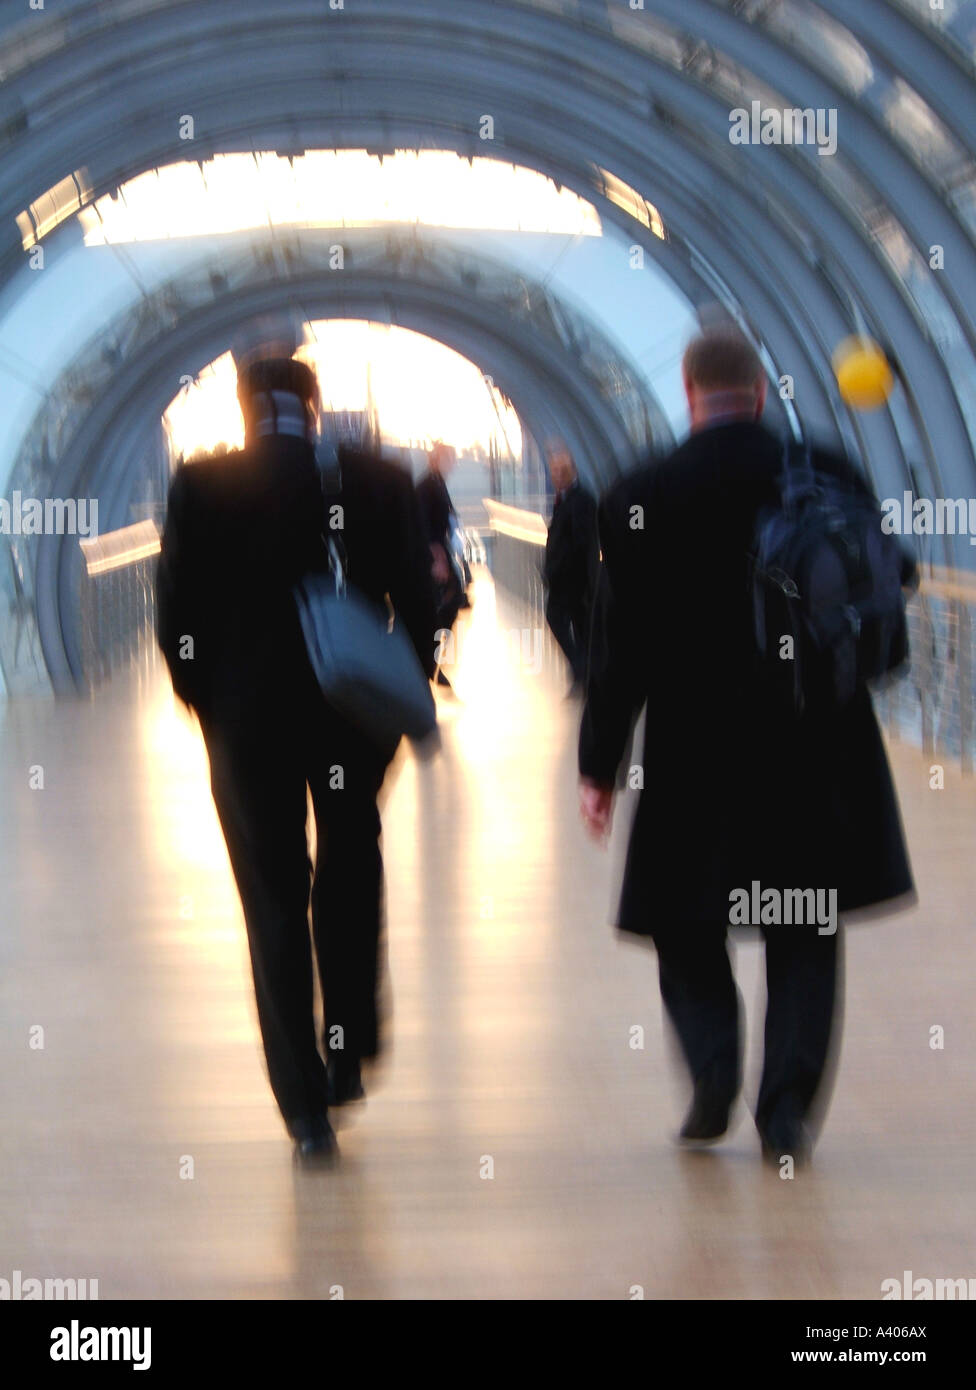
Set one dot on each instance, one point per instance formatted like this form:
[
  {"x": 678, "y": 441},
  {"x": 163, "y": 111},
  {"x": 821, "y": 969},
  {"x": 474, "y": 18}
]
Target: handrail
[
  {"x": 512, "y": 521},
  {"x": 942, "y": 582},
  {"x": 115, "y": 549}
]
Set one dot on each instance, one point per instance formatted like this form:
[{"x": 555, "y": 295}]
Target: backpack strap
[{"x": 798, "y": 480}]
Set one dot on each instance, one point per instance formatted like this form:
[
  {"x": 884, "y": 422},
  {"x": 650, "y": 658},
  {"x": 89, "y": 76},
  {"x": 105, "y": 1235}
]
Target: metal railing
[
  {"x": 932, "y": 704},
  {"x": 516, "y": 553},
  {"x": 118, "y": 602}
]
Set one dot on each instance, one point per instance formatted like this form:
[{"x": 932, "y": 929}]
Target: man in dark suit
[
  {"x": 571, "y": 563},
  {"x": 736, "y": 789},
  {"x": 240, "y": 532}
]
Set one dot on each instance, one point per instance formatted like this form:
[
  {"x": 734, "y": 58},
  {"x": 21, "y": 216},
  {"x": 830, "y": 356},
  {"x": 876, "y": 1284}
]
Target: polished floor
[{"x": 516, "y": 1144}]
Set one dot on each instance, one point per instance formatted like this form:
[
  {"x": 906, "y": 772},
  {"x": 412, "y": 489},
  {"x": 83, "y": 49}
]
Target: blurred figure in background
[
  {"x": 738, "y": 790},
  {"x": 571, "y": 563},
  {"x": 441, "y": 524},
  {"x": 240, "y": 532}
]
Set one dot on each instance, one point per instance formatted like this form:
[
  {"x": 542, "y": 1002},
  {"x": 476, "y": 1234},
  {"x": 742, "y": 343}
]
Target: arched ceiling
[
  {"x": 799, "y": 245},
  {"x": 572, "y": 86}
]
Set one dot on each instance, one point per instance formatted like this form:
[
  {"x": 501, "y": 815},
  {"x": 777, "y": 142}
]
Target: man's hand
[{"x": 596, "y": 808}]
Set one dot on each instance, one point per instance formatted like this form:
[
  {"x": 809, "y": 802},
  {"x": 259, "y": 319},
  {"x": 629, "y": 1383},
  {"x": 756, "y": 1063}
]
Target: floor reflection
[{"x": 513, "y": 1007}]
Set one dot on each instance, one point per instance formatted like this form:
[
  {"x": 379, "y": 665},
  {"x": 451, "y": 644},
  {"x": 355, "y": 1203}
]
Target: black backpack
[{"x": 826, "y": 576}]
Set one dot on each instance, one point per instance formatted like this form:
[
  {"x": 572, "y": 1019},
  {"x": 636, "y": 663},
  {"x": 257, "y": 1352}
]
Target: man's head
[
  {"x": 442, "y": 458},
  {"x": 278, "y": 396},
  {"x": 723, "y": 376},
  {"x": 562, "y": 469}
]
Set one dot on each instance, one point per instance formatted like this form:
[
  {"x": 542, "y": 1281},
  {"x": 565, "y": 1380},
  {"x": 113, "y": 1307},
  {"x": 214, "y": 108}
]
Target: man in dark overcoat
[{"x": 739, "y": 793}]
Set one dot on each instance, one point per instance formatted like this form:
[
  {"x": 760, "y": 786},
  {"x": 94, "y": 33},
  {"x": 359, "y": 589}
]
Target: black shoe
[
  {"x": 708, "y": 1119},
  {"x": 785, "y": 1136},
  {"x": 315, "y": 1145},
  {"x": 345, "y": 1083}
]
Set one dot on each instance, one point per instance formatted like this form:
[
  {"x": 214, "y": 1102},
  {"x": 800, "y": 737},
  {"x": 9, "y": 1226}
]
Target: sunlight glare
[{"x": 334, "y": 188}]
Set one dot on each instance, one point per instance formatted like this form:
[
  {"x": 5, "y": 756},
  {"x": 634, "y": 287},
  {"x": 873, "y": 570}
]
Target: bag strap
[
  {"x": 330, "y": 475},
  {"x": 330, "y": 469}
]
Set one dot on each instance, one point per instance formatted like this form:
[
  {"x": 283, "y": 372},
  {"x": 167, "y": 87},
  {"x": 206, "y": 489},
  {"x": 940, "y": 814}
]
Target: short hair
[
  {"x": 277, "y": 374},
  {"x": 722, "y": 359},
  {"x": 555, "y": 444}
]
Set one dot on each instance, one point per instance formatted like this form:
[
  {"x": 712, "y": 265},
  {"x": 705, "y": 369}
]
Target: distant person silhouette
[
  {"x": 736, "y": 789},
  {"x": 440, "y": 524},
  {"x": 240, "y": 531},
  {"x": 571, "y": 562}
]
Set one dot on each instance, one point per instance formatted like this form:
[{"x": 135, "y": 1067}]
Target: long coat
[
  {"x": 436, "y": 508},
  {"x": 572, "y": 547},
  {"x": 240, "y": 531},
  {"x": 736, "y": 789}
]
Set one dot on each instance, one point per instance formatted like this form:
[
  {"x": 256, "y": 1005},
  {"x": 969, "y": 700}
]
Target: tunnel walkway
[{"x": 513, "y": 1010}]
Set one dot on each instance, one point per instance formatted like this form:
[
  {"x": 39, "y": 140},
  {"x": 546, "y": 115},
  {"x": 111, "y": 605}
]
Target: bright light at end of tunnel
[
  {"x": 335, "y": 188},
  {"x": 206, "y": 412},
  {"x": 422, "y": 391}
]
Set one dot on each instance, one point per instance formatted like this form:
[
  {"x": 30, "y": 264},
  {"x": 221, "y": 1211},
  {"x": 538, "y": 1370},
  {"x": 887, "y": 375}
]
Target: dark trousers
[
  {"x": 702, "y": 1002},
  {"x": 568, "y": 615},
  {"x": 260, "y": 765},
  {"x": 448, "y": 607}
]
